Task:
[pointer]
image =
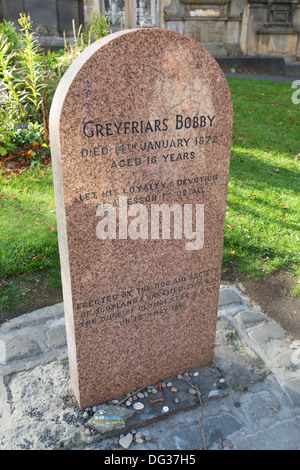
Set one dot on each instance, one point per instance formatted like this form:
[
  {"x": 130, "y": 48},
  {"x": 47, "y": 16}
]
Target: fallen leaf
[
  {"x": 52, "y": 229},
  {"x": 37, "y": 258}
]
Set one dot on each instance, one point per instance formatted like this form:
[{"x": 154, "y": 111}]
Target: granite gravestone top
[{"x": 140, "y": 130}]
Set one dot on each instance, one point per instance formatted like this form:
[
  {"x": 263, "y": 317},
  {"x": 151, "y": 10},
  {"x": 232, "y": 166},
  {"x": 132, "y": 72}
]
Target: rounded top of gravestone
[
  {"x": 139, "y": 57},
  {"x": 136, "y": 84}
]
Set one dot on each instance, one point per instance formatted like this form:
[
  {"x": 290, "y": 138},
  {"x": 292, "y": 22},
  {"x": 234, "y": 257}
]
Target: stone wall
[
  {"x": 271, "y": 28},
  {"x": 236, "y": 27},
  {"x": 216, "y": 24},
  {"x": 224, "y": 27}
]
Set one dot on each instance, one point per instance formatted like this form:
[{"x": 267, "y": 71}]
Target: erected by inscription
[{"x": 140, "y": 131}]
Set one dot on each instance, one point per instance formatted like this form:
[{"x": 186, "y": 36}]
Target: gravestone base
[{"x": 206, "y": 381}]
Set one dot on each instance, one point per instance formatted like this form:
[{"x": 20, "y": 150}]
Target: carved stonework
[
  {"x": 278, "y": 35},
  {"x": 280, "y": 13},
  {"x": 205, "y": 21},
  {"x": 196, "y": 9}
]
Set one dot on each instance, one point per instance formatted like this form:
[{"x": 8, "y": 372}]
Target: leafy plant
[
  {"x": 23, "y": 71},
  {"x": 5, "y": 133},
  {"x": 31, "y": 134},
  {"x": 13, "y": 100},
  {"x": 97, "y": 29},
  {"x": 30, "y": 77},
  {"x": 8, "y": 31},
  {"x": 32, "y": 69}
]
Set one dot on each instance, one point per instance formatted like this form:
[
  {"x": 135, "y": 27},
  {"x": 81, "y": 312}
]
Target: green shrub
[
  {"x": 30, "y": 77},
  {"x": 98, "y": 28}
]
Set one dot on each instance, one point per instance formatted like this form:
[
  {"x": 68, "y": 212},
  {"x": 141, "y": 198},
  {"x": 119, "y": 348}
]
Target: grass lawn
[
  {"x": 29, "y": 257},
  {"x": 262, "y": 231},
  {"x": 263, "y": 214}
]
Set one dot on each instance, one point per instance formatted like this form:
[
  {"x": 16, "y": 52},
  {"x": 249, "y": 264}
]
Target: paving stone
[
  {"x": 2, "y": 352},
  {"x": 261, "y": 335},
  {"x": 280, "y": 436},
  {"x": 220, "y": 426},
  {"x": 285, "y": 360},
  {"x": 248, "y": 318},
  {"x": 34, "y": 318},
  {"x": 21, "y": 348},
  {"x": 228, "y": 296},
  {"x": 182, "y": 439},
  {"x": 145, "y": 446},
  {"x": 215, "y": 427},
  {"x": 272, "y": 349},
  {"x": 39, "y": 395},
  {"x": 56, "y": 336},
  {"x": 247, "y": 368},
  {"x": 259, "y": 405},
  {"x": 292, "y": 388}
]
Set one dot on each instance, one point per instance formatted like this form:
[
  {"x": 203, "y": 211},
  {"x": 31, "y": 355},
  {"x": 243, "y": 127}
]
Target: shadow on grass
[
  {"x": 262, "y": 221},
  {"x": 242, "y": 162},
  {"x": 26, "y": 293}
]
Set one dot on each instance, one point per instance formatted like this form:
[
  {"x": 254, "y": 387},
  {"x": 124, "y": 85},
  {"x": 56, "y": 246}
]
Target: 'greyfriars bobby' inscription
[{"x": 140, "y": 131}]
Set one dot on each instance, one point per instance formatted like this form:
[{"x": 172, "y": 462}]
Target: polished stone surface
[{"x": 145, "y": 115}]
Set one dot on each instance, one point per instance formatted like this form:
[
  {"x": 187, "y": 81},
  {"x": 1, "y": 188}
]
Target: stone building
[{"x": 257, "y": 28}]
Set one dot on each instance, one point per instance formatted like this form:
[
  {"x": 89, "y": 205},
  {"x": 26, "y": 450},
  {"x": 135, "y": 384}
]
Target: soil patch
[
  {"x": 271, "y": 295},
  {"x": 21, "y": 159},
  {"x": 38, "y": 295}
]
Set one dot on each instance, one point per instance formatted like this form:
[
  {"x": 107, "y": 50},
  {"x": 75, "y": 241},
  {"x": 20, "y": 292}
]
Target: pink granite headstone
[{"x": 142, "y": 118}]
